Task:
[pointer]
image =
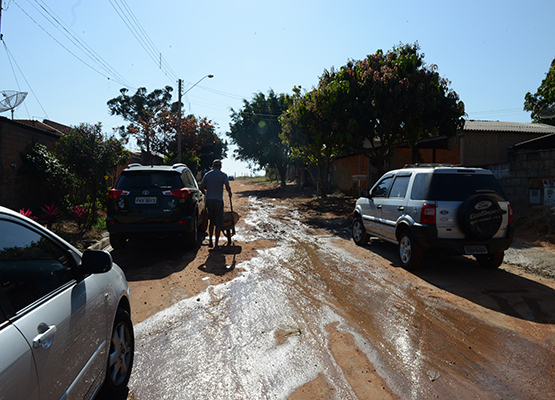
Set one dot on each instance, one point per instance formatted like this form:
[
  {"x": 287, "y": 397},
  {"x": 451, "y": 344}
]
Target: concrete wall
[{"x": 527, "y": 170}]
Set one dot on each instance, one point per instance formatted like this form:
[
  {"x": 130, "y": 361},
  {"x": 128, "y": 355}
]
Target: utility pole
[{"x": 178, "y": 121}]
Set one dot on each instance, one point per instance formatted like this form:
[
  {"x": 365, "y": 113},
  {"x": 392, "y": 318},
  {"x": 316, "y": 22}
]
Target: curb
[{"x": 100, "y": 245}]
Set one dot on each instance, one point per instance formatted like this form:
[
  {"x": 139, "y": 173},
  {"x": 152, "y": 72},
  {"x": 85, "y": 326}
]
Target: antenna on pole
[{"x": 11, "y": 99}]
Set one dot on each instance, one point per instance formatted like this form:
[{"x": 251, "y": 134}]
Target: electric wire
[
  {"x": 131, "y": 22},
  {"x": 49, "y": 15},
  {"x": 10, "y": 58},
  {"x": 65, "y": 48}
]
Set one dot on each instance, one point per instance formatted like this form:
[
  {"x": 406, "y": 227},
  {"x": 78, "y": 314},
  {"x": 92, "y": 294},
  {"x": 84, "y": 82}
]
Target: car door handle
[
  {"x": 379, "y": 207},
  {"x": 400, "y": 208},
  {"x": 44, "y": 338}
]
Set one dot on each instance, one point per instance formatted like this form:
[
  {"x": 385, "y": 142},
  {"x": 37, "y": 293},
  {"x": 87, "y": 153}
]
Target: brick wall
[{"x": 15, "y": 192}]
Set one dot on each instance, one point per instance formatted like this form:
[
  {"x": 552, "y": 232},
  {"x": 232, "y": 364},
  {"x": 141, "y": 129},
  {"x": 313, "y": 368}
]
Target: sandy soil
[{"x": 186, "y": 275}]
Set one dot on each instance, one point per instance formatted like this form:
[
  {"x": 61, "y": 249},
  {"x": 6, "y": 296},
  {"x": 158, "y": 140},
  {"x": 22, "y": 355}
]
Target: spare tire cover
[{"x": 480, "y": 216}]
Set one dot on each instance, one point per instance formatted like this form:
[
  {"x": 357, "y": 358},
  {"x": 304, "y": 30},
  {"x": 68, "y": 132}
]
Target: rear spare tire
[{"x": 480, "y": 216}]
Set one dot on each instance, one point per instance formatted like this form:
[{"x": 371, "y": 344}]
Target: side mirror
[
  {"x": 365, "y": 193},
  {"x": 96, "y": 262}
]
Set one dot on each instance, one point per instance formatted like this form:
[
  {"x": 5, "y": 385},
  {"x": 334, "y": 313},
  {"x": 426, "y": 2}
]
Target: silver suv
[{"x": 447, "y": 209}]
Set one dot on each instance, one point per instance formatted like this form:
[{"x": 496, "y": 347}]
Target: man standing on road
[{"x": 212, "y": 185}]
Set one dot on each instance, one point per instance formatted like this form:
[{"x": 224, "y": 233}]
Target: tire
[
  {"x": 490, "y": 261},
  {"x": 480, "y": 217},
  {"x": 410, "y": 252},
  {"x": 191, "y": 238},
  {"x": 120, "y": 357},
  {"x": 360, "y": 236},
  {"x": 117, "y": 241},
  {"x": 204, "y": 225}
]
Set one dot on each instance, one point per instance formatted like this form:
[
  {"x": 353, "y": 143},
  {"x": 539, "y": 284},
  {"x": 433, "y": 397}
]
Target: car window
[
  {"x": 380, "y": 190},
  {"x": 190, "y": 181},
  {"x": 151, "y": 180},
  {"x": 399, "y": 187},
  {"x": 31, "y": 265},
  {"x": 457, "y": 187},
  {"x": 419, "y": 187}
]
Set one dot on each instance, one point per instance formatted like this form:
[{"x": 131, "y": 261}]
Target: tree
[
  {"x": 316, "y": 127},
  {"x": 141, "y": 111},
  {"x": 542, "y": 103},
  {"x": 92, "y": 157},
  {"x": 255, "y": 129},
  {"x": 200, "y": 145},
  {"x": 381, "y": 101}
]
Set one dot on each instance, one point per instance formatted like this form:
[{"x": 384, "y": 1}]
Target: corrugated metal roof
[{"x": 500, "y": 126}]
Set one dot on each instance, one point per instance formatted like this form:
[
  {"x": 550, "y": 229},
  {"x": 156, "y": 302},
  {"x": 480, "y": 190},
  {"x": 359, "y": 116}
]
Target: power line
[
  {"x": 10, "y": 58},
  {"x": 49, "y": 15},
  {"x": 144, "y": 40},
  {"x": 115, "y": 78}
]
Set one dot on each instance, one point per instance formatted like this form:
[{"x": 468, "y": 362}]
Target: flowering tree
[
  {"x": 92, "y": 157},
  {"x": 200, "y": 144},
  {"x": 383, "y": 100}
]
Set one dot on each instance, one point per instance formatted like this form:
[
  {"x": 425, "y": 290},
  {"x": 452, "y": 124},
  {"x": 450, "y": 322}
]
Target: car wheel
[
  {"x": 120, "y": 358},
  {"x": 191, "y": 238},
  {"x": 117, "y": 241},
  {"x": 410, "y": 252},
  {"x": 204, "y": 225},
  {"x": 480, "y": 216},
  {"x": 490, "y": 261},
  {"x": 360, "y": 236}
]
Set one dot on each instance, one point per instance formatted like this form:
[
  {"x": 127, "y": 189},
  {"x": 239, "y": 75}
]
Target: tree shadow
[{"x": 498, "y": 290}]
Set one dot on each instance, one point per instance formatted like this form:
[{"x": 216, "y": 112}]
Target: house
[
  {"x": 15, "y": 138},
  {"x": 479, "y": 144}
]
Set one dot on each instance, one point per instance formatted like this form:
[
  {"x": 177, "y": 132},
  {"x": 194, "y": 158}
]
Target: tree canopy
[
  {"x": 141, "y": 111},
  {"x": 542, "y": 103},
  {"x": 255, "y": 129},
  {"x": 379, "y": 102},
  {"x": 153, "y": 121}
]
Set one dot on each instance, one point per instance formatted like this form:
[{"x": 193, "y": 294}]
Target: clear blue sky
[{"x": 493, "y": 52}]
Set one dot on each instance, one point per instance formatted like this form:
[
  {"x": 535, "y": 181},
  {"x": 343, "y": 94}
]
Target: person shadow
[{"x": 218, "y": 261}]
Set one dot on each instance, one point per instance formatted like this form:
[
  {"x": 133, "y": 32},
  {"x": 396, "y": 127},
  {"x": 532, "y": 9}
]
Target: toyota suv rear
[
  {"x": 448, "y": 209},
  {"x": 156, "y": 200}
]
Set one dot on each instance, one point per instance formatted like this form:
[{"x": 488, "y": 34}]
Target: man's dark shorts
[{"x": 215, "y": 212}]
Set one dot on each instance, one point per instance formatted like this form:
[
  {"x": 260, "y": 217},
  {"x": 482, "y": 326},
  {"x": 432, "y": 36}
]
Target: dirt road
[{"x": 369, "y": 328}]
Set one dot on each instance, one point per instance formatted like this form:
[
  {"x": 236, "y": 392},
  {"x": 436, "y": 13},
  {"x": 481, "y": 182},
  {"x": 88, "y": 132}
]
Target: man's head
[{"x": 217, "y": 163}]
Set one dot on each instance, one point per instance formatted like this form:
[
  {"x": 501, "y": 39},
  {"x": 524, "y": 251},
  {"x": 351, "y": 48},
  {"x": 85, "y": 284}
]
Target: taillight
[
  {"x": 115, "y": 193},
  {"x": 510, "y": 215},
  {"x": 182, "y": 193},
  {"x": 428, "y": 214}
]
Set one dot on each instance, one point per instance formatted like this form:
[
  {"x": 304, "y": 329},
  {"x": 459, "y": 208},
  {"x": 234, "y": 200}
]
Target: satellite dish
[
  {"x": 548, "y": 112},
  {"x": 10, "y": 99}
]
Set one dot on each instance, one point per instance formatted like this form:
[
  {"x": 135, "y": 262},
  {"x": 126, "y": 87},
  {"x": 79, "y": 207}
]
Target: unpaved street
[{"x": 292, "y": 311}]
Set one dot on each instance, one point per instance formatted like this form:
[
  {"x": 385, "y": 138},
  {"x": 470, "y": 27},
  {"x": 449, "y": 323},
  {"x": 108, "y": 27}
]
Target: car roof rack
[
  {"x": 134, "y": 165},
  {"x": 178, "y": 165},
  {"x": 430, "y": 165}
]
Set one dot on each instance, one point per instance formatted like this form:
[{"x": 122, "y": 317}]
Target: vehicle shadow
[
  {"x": 153, "y": 258},
  {"x": 498, "y": 290}
]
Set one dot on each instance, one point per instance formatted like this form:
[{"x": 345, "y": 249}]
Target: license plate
[
  {"x": 145, "y": 200},
  {"x": 475, "y": 250}
]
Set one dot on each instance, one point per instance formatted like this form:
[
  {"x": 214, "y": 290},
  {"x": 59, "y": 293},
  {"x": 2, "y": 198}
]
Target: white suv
[{"x": 448, "y": 209}]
